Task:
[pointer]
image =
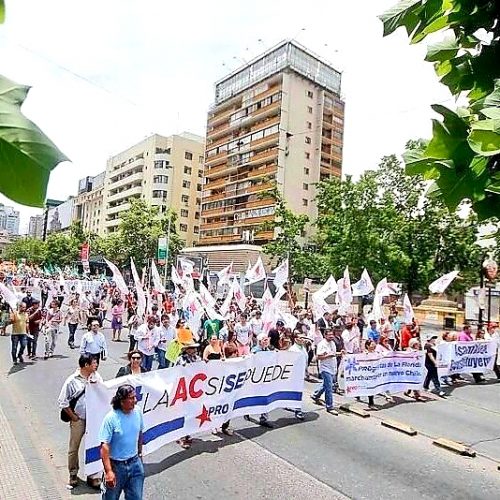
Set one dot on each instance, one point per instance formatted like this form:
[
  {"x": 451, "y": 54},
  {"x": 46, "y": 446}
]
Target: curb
[
  {"x": 400, "y": 427},
  {"x": 355, "y": 410},
  {"x": 455, "y": 447}
]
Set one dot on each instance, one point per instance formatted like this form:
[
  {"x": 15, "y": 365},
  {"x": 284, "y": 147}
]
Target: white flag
[
  {"x": 177, "y": 280},
  {"x": 117, "y": 277},
  {"x": 383, "y": 289},
  {"x": 408, "y": 310},
  {"x": 344, "y": 292},
  {"x": 187, "y": 267},
  {"x": 9, "y": 296},
  {"x": 224, "y": 308},
  {"x": 281, "y": 274},
  {"x": 364, "y": 286},
  {"x": 206, "y": 298},
  {"x": 239, "y": 296},
  {"x": 327, "y": 289},
  {"x": 141, "y": 296},
  {"x": 441, "y": 284},
  {"x": 158, "y": 286},
  {"x": 194, "y": 311},
  {"x": 225, "y": 274},
  {"x": 257, "y": 273}
]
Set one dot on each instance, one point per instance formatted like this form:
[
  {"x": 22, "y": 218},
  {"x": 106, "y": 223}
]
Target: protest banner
[
  {"x": 477, "y": 356},
  {"x": 198, "y": 397},
  {"x": 375, "y": 373}
]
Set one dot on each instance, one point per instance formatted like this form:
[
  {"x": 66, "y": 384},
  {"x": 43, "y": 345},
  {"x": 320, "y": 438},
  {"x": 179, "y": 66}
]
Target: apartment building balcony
[
  {"x": 118, "y": 208},
  {"x": 112, "y": 222},
  {"x": 126, "y": 193},
  {"x": 254, "y": 220},
  {"x": 135, "y": 163},
  {"x": 223, "y": 238},
  {"x": 216, "y": 225},
  {"x": 129, "y": 179},
  {"x": 213, "y": 171},
  {"x": 218, "y": 118},
  {"x": 264, "y": 236},
  {"x": 270, "y": 139}
]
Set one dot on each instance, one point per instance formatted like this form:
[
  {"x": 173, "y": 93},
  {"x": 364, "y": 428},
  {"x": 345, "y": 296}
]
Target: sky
[{"x": 106, "y": 74}]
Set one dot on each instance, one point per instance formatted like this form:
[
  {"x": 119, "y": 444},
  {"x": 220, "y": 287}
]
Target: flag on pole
[
  {"x": 442, "y": 283},
  {"x": 117, "y": 277},
  {"x": 224, "y": 308},
  {"x": 239, "y": 296},
  {"x": 206, "y": 298},
  {"x": 9, "y": 296},
  {"x": 141, "y": 296},
  {"x": 344, "y": 292},
  {"x": 257, "y": 272},
  {"x": 383, "y": 289},
  {"x": 281, "y": 274},
  {"x": 158, "y": 286},
  {"x": 327, "y": 289},
  {"x": 176, "y": 279},
  {"x": 225, "y": 274},
  {"x": 364, "y": 286},
  {"x": 408, "y": 309},
  {"x": 187, "y": 266}
]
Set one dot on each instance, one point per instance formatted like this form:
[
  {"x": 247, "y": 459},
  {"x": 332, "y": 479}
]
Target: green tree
[
  {"x": 463, "y": 156},
  {"x": 138, "y": 234},
  {"x": 386, "y": 223},
  {"x": 31, "y": 249},
  {"x": 62, "y": 249}
]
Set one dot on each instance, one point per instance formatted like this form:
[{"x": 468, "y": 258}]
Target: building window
[
  {"x": 310, "y": 94},
  {"x": 306, "y": 171},
  {"x": 183, "y": 228},
  {"x": 308, "y": 140},
  {"x": 198, "y": 187},
  {"x": 185, "y": 198},
  {"x": 160, "y": 179},
  {"x": 305, "y": 186},
  {"x": 188, "y": 155},
  {"x": 200, "y": 174},
  {"x": 305, "y": 202},
  {"x": 159, "y": 193},
  {"x": 184, "y": 212},
  {"x": 186, "y": 184},
  {"x": 308, "y": 155},
  {"x": 196, "y": 229},
  {"x": 158, "y": 164},
  {"x": 187, "y": 170},
  {"x": 309, "y": 125},
  {"x": 201, "y": 159},
  {"x": 197, "y": 215},
  {"x": 309, "y": 109}
]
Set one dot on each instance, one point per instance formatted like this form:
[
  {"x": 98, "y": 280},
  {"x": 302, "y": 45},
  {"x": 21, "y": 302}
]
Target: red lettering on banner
[
  {"x": 192, "y": 392},
  {"x": 181, "y": 391}
]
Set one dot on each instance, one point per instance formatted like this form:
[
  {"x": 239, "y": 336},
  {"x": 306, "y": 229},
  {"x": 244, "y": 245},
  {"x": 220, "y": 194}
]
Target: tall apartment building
[
  {"x": 9, "y": 219},
  {"x": 88, "y": 208},
  {"x": 35, "y": 228},
  {"x": 164, "y": 171},
  {"x": 277, "y": 122}
]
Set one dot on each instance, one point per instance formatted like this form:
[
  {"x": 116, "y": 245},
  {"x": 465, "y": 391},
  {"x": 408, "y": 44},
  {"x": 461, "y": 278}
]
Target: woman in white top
[{"x": 72, "y": 317}]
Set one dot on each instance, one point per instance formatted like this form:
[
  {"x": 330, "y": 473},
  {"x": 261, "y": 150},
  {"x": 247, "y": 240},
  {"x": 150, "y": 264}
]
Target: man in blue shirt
[
  {"x": 121, "y": 447},
  {"x": 373, "y": 333}
]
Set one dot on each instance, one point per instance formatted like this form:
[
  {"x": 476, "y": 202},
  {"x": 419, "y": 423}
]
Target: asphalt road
[{"x": 323, "y": 457}]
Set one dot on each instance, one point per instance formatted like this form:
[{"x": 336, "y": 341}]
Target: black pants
[
  {"x": 32, "y": 343},
  {"x": 132, "y": 343},
  {"x": 432, "y": 374}
]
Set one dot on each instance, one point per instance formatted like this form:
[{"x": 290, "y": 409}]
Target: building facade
[
  {"x": 277, "y": 123},
  {"x": 9, "y": 220},
  {"x": 35, "y": 229},
  {"x": 88, "y": 207},
  {"x": 165, "y": 172}
]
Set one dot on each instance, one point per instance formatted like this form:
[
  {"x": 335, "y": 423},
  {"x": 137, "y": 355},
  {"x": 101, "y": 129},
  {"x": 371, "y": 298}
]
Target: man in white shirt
[
  {"x": 148, "y": 336},
  {"x": 167, "y": 334},
  {"x": 94, "y": 343},
  {"x": 327, "y": 356},
  {"x": 256, "y": 324},
  {"x": 351, "y": 338}
]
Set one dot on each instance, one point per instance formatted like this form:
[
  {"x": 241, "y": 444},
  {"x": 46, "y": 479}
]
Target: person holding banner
[
  {"x": 466, "y": 336},
  {"x": 326, "y": 353},
  {"x": 121, "y": 447},
  {"x": 134, "y": 366},
  {"x": 431, "y": 366},
  {"x": 414, "y": 345}
]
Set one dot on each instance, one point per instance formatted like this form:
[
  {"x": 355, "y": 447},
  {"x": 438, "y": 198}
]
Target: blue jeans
[
  {"x": 147, "y": 362},
  {"x": 162, "y": 361},
  {"x": 18, "y": 340},
  {"x": 129, "y": 479},
  {"x": 327, "y": 388},
  {"x": 72, "y": 330}
]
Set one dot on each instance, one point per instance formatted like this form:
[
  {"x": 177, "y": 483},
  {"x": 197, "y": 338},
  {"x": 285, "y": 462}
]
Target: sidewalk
[{"x": 16, "y": 481}]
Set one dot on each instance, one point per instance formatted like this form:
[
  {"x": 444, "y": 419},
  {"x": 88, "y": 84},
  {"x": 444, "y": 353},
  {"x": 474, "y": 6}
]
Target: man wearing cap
[
  {"x": 188, "y": 356},
  {"x": 275, "y": 334}
]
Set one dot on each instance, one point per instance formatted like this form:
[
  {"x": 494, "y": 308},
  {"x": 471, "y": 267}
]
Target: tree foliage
[
  {"x": 31, "y": 249},
  {"x": 463, "y": 155}
]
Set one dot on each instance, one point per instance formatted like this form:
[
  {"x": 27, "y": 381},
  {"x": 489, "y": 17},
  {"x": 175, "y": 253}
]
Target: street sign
[{"x": 162, "y": 254}]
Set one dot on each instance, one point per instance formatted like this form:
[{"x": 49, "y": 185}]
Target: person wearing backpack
[{"x": 72, "y": 405}]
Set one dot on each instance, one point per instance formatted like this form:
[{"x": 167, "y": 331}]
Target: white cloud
[{"x": 152, "y": 67}]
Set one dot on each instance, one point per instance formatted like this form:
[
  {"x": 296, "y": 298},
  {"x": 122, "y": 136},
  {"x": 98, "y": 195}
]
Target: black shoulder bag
[{"x": 72, "y": 404}]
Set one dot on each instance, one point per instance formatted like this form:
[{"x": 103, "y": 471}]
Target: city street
[{"x": 325, "y": 456}]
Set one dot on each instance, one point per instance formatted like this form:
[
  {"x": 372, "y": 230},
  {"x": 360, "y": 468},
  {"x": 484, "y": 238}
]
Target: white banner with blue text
[
  {"x": 477, "y": 356},
  {"x": 199, "y": 397},
  {"x": 368, "y": 374}
]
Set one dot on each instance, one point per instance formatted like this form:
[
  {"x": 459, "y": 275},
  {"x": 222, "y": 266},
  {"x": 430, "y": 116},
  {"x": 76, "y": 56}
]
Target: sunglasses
[{"x": 136, "y": 357}]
